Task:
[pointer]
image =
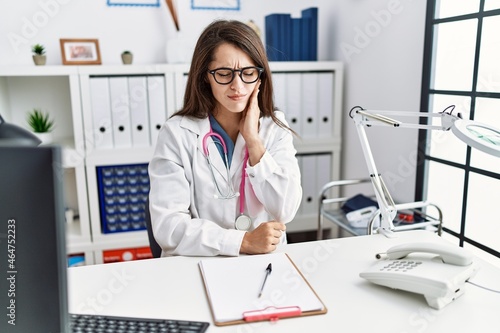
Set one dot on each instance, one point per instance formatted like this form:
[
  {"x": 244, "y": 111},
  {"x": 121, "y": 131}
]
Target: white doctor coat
[{"x": 186, "y": 217}]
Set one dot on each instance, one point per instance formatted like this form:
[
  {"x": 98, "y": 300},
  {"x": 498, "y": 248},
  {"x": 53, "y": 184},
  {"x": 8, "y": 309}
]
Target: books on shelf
[{"x": 292, "y": 39}]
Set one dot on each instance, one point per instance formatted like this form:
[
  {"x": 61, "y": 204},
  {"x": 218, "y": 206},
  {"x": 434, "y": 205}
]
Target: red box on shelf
[{"x": 126, "y": 254}]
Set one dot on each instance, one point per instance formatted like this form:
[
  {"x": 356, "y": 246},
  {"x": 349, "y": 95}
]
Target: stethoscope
[{"x": 243, "y": 222}]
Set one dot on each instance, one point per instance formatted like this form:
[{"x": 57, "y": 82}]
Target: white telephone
[
  {"x": 439, "y": 278},
  {"x": 361, "y": 217}
]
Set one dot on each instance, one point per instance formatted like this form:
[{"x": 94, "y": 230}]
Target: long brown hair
[{"x": 199, "y": 101}]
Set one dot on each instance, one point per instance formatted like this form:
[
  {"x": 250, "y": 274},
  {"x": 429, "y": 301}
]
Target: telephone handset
[
  {"x": 450, "y": 254},
  {"x": 438, "y": 271}
]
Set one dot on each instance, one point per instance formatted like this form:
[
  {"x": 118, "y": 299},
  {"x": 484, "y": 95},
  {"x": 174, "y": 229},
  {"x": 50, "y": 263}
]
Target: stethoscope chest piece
[{"x": 243, "y": 223}]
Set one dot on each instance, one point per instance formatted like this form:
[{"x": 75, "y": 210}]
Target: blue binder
[{"x": 311, "y": 32}]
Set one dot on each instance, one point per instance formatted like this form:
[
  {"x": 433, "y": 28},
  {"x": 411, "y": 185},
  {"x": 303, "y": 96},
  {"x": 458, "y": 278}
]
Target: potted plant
[
  {"x": 41, "y": 125},
  {"x": 127, "y": 57},
  {"x": 39, "y": 56}
]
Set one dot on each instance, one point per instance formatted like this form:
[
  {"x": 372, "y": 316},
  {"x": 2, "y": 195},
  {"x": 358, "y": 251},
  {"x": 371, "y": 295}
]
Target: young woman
[{"x": 224, "y": 177}]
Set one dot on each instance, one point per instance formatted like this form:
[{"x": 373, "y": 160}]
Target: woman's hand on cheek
[{"x": 249, "y": 123}]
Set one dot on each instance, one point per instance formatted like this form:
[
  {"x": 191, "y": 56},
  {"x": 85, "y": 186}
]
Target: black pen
[{"x": 268, "y": 271}]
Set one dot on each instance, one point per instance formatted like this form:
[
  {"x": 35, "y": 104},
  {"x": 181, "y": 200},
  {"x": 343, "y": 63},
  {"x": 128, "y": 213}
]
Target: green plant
[
  {"x": 126, "y": 52},
  {"x": 39, "y": 121},
  {"x": 38, "y": 49}
]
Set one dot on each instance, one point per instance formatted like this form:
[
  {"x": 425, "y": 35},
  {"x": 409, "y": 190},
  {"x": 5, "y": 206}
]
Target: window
[{"x": 462, "y": 68}]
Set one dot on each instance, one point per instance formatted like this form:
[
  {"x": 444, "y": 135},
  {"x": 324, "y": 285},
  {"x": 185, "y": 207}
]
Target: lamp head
[
  {"x": 481, "y": 136},
  {"x": 12, "y": 134}
]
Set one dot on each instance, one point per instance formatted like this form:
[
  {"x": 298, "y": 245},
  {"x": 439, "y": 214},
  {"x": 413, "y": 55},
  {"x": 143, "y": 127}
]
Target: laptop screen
[{"x": 32, "y": 240}]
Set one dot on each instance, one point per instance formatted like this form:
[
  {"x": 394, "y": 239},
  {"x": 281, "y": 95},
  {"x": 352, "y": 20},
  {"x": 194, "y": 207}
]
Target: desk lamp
[
  {"x": 477, "y": 135},
  {"x": 11, "y": 133}
]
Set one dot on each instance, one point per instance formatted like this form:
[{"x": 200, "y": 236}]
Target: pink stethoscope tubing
[{"x": 231, "y": 193}]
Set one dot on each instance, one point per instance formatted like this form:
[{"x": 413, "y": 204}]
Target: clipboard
[{"x": 232, "y": 287}]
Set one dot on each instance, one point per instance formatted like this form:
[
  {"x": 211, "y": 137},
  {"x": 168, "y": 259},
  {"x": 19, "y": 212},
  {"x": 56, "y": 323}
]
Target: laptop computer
[{"x": 32, "y": 243}]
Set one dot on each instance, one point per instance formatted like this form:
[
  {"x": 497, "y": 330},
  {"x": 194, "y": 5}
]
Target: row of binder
[
  {"x": 127, "y": 111},
  {"x": 292, "y": 39},
  {"x": 316, "y": 171},
  {"x": 307, "y": 100}
]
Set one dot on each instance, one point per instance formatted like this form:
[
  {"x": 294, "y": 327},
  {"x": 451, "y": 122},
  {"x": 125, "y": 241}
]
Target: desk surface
[{"x": 172, "y": 288}]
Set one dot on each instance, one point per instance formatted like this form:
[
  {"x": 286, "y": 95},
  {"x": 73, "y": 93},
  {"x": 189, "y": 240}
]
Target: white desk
[{"x": 172, "y": 288}]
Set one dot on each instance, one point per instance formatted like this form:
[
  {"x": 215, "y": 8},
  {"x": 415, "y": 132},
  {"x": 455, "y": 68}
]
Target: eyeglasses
[{"x": 226, "y": 75}]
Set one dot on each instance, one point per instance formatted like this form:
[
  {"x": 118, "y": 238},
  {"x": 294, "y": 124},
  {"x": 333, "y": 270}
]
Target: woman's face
[{"x": 232, "y": 97}]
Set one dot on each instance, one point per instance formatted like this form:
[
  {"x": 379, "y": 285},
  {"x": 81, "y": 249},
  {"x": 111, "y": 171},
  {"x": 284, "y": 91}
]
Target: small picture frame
[
  {"x": 215, "y": 5},
  {"x": 80, "y": 51}
]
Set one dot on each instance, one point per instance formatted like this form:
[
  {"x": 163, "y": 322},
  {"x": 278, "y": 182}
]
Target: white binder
[
  {"x": 323, "y": 171},
  {"x": 157, "y": 105},
  {"x": 309, "y": 187},
  {"x": 325, "y": 104},
  {"x": 138, "y": 99},
  {"x": 293, "y": 101},
  {"x": 101, "y": 113},
  {"x": 279, "y": 88},
  {"x": 120, "y": 112},
  {"x": 180, "y": 90},
  {"x": 309, "y": 115}
]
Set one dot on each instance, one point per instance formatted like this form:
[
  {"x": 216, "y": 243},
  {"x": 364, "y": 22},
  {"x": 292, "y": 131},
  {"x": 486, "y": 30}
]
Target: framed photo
[
  {"x": 80, "y": 51},
  {"x": 215, "y": 5},
  {"x": 151, "y": 3}
]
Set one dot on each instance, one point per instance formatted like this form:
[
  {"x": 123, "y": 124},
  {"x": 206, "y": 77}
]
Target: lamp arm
[
  {"x": 380, "y": 118},
  {"x": 368, "y": 118},
  {"x": 384, "y": 199},
  {"x": 481, "y": 136}
]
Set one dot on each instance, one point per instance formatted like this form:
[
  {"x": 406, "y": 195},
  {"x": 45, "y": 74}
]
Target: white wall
[{"x": 380, "y": 42}]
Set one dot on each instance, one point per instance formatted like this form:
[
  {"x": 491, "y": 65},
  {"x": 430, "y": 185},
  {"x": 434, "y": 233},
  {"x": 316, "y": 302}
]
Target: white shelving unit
[{"x": 64, "y": 92}]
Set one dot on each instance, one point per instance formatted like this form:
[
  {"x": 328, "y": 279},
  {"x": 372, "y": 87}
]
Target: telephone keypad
[{"x": 400, "y": 266}]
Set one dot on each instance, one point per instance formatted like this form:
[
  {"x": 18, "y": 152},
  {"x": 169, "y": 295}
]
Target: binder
[
  {"x": 325, "y": 104},
  {"x": 101, "y": 113},
  {"x": 323, "y": 172},
  {"x": 272, "y": 37},
  {"x": 232, "y": 287},
  {"x": 293, "y": 101},
  {"x": 120, "y": 112},
  {"x": 296, "y": 33},
  {"x": 278, "y": 36},
  {"x": 306, "y": 39},
  {"x": 311, "y": 15},
  {"x": 279, "y": 88},
  {"x": 138, "y": 98},
  {"x": 309, "y": 105},
  {"x": 309, "y": 187},
  {"x": 157, "y": 105},
  {"x": 285, "y": 22}
]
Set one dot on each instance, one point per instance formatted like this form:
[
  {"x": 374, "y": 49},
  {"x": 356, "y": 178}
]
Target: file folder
[
  {"x": 120, "y": 112},
  {"x": 323, "y": 172},
  {"x": 294, "y": 101},
  {"x": 309, "y": 186},
  {"x": 157, "y": 105},
  {"x": 180, "y": 90},
  {"x": 325, "y": 104},
  {"x": 279, "y": 88},
  {"x": 138, "y": 99},
  {"x": 101, "y": 113},
  {"x": 309, "y": 105},
  {"x": 232, "y": 286}
]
